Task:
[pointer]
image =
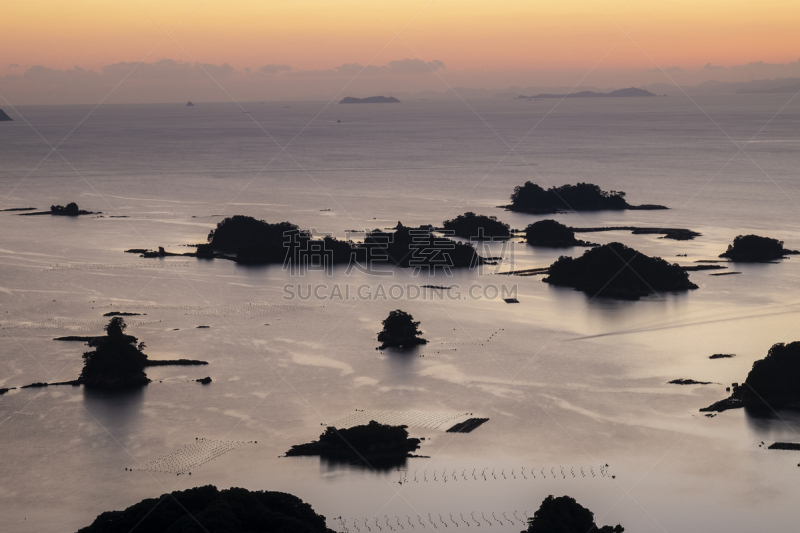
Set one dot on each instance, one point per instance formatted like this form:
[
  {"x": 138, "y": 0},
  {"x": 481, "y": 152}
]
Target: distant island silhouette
[
  {"x": 629, "y": 92},
  {"x": 477, "y": 227},
  {"x": 69, "y": 210},
  {"x": 617, "y": 271},
  {"x": 565, "y": 515},
  {"x": 370, "y": 100},
  {"x": 189, "y": 104},
  {"x": 552, "y": 234},
  {"x": 208, "y": 509},
  {"x": 755, "y": 249},
  {"x": 532, "y": 198},
  {"x": 771, "y": 383},
  {"x": 4, "y": 117},
  {"x": 374, "y": 444}
]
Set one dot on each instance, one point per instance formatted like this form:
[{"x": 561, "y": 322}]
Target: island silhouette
[
  {"x": 755, "y": 249},
  {"x": 400, "y": 331},
  {"x": 247, "y": 240},
  {"x": 532, "y": 198},
  {"x": 374, "y": 444},
  {"x": 617, "y": 271},
  {"x": 477, "y": 227},
  {"x": 208, "y": 509},
  {"x": 565, "y": 515},
  {"x": 619, "y": 93},
  {"x": 370, "y": 100},
  {"x": 4, "y": 116},
  {"x": 772, "y": 383},
  {"x": 552, "y": 234},
  {"x": 69, "y": 210}
]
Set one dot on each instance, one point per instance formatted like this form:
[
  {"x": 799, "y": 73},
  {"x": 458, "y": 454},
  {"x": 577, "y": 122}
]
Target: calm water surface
[{"x": 566, "y": 381}]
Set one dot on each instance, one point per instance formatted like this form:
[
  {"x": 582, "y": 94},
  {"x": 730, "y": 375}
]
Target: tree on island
[
  {"x": 553, "y": 234},
  {"x": 773, "y": 382},
  {"x": 209, "y": 510},
  {"x": 400, "y": 331},
  {"x": 117, "y": 361},
  {"x": 565, "y": 515},
  {"x": 755, "y": 249},
  {"x": 477, "y": 227},
  {"x": 617, "y": 271}
]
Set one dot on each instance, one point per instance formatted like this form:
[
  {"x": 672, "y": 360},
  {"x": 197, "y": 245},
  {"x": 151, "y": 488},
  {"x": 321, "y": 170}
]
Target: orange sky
[{"x": 467, "y": 35}]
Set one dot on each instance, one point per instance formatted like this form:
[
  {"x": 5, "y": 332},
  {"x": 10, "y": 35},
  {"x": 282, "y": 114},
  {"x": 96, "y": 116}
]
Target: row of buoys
[
  {"x": 405, "y": 418},
  {"x": 523, "y": 473},
  {"x": 192, "y": 455},
  {"x": 114, "y": 266},
  {"x": 396, "y": 523},
  {"x": 251, "y": 310}
]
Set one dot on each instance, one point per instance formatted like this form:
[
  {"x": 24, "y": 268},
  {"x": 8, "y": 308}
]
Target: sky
[{"x": 466, "y": 42}]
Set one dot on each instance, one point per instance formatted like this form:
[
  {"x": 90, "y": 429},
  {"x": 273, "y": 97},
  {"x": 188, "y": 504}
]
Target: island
[
  {"x": 117, "y": 361},
  {"x": 4, "y": 116},
  {"x": 771, "y": 383},
  {"x": 208, "y": 509},
  {"x": 374, "y": 444},
  {"x": 250, "y": 241},
  {"x": 189, "y": 104},
  {"x": 370, "y": 100},
  {"x": 477, "y": 227},
  {"x": 400, "y": 331},
  {"x": 616, "y": 271},
  {"x": 755, "y": 249},
  {"x": 619, "y": 93},
  {"x": 552, "y": 234},
  {"x": 69, "y": 210},
  {"x": 565, "y": 515},
  {"x": 533, "y": 199}
]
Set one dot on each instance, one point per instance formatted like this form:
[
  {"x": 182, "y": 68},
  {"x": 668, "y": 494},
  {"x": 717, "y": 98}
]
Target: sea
[{"x": 575, "y": 387}]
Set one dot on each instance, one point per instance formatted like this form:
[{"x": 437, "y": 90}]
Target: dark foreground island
[
  {"x": 533, "y": 199},
  {"x": 477, "y": 227},
  {"x": 209, "y": 510},
  {"x": 376, "y": 445},
  {"x": 771, "y": 384},
  {"x": 755, "y": 249},
  {"x": 617, "y": 271},
  {"x": 370, "y": 100},
  {"x": 565, "y": 515}
]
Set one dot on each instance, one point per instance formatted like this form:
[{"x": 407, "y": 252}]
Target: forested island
[
  {"x": 400, "y": 331},
  {"x": 771, "y": 383},
  {"x": 374, "y": 444},
  {"x": 207, "y": 509},
  {"x": 247, "y": 240},
  {"x": 117, "y": 361},
  {"x": 69, "y": 210},
  {"x": 565, "y": 515},
  {"x": 617, "y": 271},
  {"x": 755, "y": 249},
  {"x": 552, "y": 234},
  {"x": 477, "y": 227},
  {"x": 370, "y": 100},
  {"x": 532, "y": 198}
]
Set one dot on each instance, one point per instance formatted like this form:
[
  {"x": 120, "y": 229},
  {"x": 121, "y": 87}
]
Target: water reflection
[{"x": 118, "y": 412}]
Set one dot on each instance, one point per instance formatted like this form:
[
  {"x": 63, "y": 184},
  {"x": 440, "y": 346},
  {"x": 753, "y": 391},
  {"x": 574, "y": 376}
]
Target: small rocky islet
[{"x": 373, "y": 444}]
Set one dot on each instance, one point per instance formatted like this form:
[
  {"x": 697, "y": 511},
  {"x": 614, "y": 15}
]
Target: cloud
[{"x": 274, "y": 69}]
